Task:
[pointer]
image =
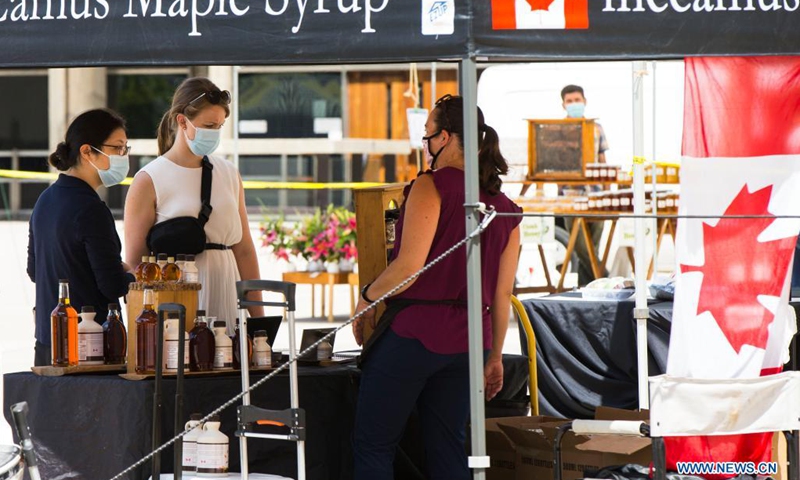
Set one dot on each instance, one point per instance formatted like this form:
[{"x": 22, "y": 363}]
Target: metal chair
[{"x": 522, "y": 317}]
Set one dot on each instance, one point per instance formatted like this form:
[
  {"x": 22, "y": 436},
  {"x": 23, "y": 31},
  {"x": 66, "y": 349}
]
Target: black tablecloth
[
  {"x": 93, "y": 427},
  {"x": 587, "y": 352}
]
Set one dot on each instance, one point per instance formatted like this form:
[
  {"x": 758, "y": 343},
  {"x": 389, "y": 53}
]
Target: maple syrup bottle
[
  {"x": 152, "y": 272},
  {"x": 201, "y": 345},
  {"x": 115, "y": 337},
  {"x": 139, "y": 272},
  {"x": 237, "y": 337},
  {"x": 64, "y": 329},
  {"x": 162, "y": 263},
  {"x": 147, "y": 334},
  {"x": 171, "y": 272}
]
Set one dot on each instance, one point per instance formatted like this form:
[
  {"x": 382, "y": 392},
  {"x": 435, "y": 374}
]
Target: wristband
[{"x": 364, "y": 293}]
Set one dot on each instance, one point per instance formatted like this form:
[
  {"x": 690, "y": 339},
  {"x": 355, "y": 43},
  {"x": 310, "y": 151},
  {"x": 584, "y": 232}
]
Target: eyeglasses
[
  {"x": 122, "y": 150},
  {"x": 215, "y": 97}
]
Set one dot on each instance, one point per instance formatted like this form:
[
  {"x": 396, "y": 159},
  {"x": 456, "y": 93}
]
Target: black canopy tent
[{"x": 85, "y": 33}]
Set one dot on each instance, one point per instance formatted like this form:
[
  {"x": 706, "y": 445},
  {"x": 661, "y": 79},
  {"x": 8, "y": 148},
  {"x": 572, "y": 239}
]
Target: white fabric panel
[
  {"x": 601, "y": 427},
  {"x": 691, "y": 406}
]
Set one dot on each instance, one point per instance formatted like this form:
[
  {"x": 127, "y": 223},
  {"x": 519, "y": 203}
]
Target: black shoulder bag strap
[{"x": 205, "y": 193}]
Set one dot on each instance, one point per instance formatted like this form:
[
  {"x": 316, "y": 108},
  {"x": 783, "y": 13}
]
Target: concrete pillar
[
  {"x": 87, "y": 88},
  {"x": 222, "y": 76}
]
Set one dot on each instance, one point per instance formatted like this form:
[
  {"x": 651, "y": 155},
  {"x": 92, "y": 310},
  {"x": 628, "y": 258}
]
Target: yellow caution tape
[{"x": 248, "y": 184}]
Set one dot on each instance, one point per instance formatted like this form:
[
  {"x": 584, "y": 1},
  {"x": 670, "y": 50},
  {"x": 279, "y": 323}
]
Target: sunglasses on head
[
  {"x": 215, "y": 97},
  {"x": 442, "y": 102}
]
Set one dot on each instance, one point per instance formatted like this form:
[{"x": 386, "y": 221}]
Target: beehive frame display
[{"x": 560, "y": 149}]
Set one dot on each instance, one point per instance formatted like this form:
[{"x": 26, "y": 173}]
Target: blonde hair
[{"x": 185, "y": 101}]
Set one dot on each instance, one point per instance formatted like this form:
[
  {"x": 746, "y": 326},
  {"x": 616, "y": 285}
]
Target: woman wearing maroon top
[{"x": 421, "y": 359}]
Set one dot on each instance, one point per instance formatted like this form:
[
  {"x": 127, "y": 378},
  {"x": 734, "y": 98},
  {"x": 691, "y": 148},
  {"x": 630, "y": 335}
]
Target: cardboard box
[
  {"x": 534, "y": 439},
  {"x": 502, "y": 451}
]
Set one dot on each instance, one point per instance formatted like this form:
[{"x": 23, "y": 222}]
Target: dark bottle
[
  {"x": 115, "y": 337},
  {"x": 201, "y": 345},
  {"x": 237, "y": 362},
  {"x": 147, "y": 335},
  {"x": 64, "y": 326}
]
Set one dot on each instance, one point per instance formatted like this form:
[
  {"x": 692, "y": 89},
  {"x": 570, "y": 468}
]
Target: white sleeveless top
[{"x": 178, "y": 195}]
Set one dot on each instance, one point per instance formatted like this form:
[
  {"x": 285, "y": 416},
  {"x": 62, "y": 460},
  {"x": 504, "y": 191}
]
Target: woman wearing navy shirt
[{"x": 71, "y": 233}]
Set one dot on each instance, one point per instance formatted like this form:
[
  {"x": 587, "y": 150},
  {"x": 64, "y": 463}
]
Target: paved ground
[{"x": 17, "y": 297}]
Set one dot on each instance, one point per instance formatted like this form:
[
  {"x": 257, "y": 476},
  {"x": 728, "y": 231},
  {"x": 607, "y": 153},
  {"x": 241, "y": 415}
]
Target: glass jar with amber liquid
[
  {"x": 64, "y": 329},
  {"x": 139, "y": 271},
  {"x": 152, "y": 272},
  {"x": 115, "y": 337},
  {"x": 147, "y": 334},
  {"x": 171, "y": 272}
]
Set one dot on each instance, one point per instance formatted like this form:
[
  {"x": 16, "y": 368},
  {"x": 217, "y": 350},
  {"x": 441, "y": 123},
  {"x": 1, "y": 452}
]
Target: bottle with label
[
  {"x": 262, "y": 353},
  {"x": 237, "y": 360},
  {"x": 189, "y": 463},
  {"x": 324, "y": 351},
  {"x": 171, "y": 272},
  {"x": 151, "y": 272},
  {"x": 212, "y": 450},
  {"x": 223, "y": 345},
  {"x": 64, "y": 326},
  {"x": 139, "y": 272},
  {"x": 90, "y": 338},
  {"x": 115, "y": 337},
  {"x": 201, "y": 345},
  {"x": 172, "y": 342},
  {"x": 161, "y": 260},
  {"x": 147, "y": 334},
  {"x": 190, "y": 273}
]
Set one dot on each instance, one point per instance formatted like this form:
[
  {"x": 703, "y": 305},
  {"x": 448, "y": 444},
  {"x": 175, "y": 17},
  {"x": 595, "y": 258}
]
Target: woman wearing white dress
[{"x": 169, "y": 187}]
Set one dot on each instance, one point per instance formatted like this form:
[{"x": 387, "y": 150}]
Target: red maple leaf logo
[
  {"x": 738, "y": 268},
  {"x": 540, "y": 4}
]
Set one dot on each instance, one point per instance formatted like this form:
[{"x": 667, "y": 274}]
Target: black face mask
[{"x": 434, "y": 156}]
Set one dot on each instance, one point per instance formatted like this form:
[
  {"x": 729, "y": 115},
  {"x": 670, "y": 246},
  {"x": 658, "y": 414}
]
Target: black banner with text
[{"x": 53, "y": 33}]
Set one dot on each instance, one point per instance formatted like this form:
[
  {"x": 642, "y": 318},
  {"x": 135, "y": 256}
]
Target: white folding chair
[{"x": 682, "y": 407}]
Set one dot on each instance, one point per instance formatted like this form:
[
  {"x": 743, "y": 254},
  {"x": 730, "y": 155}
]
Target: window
[
  {"x": 294, "y": 105},
  {"x": 142, "y": 99},
  {"x": 23, "y": 124}
]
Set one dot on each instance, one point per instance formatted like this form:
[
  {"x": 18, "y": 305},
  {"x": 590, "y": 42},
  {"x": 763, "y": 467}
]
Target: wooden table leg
[
  {"x": 663, "y": 225},
  {"x": 544, "y": 265},
  {"x": 608, "y": 243},
  {"x": 590, "y": 249},
  {"x": 631, "y": 258},
  {"x": 313, "y": 300},
  {"x": 330, "y": 298},
  {"x": 573, "y": 237}
]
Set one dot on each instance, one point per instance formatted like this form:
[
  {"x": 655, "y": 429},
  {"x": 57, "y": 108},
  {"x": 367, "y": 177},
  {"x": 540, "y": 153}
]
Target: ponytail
[
  {"x": 449, "y": 115},
  {"x": 166, "y": 133},
  {"x": 491, "y": 163}
]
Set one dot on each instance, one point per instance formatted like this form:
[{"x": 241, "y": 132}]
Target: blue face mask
[
  {"x": 118, "y": 166},
  {"x": 206, "y": 140},
  {"x": 575, "y": 110}
]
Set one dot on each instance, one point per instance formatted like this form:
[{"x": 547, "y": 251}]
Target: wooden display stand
[
  {"x": 373, "y": 247},
  {"x": 182, "y": 293},
  {"x": 560, "y": 149}
]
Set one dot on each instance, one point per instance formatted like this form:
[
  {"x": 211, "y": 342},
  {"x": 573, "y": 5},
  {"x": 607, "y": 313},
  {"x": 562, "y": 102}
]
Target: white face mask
[
  {"x": 205, "y": 142},
  {"x": 118, "y": 167}
]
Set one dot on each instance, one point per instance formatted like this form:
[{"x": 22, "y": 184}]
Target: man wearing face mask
[
  {"x": 574, "y": 102},
  {"x": 170, "y": 188},
  {"x": 71, "y": 233}
]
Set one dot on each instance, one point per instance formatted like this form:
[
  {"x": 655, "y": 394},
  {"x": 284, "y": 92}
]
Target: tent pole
[
  {"x": 468, "y": 86},
  {"x": 641, "y": 312},
  {"x": 236, "y": 116},
  {"x": 433, "y": 85}
]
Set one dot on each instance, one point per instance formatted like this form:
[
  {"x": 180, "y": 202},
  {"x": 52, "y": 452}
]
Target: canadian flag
[
  {"x": 547, "y": 14},
  {"x": 741, "y": 159}
]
